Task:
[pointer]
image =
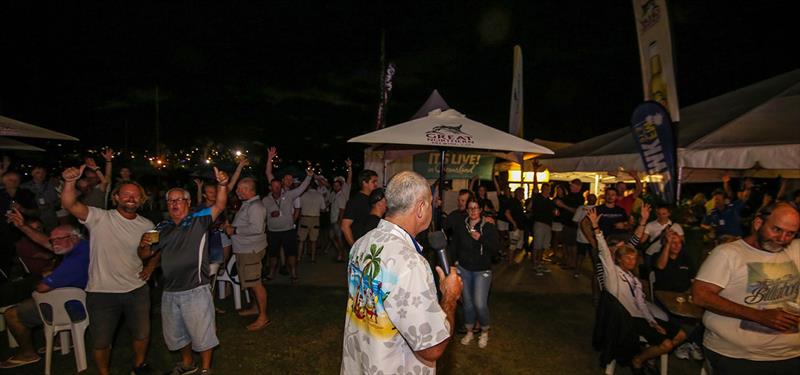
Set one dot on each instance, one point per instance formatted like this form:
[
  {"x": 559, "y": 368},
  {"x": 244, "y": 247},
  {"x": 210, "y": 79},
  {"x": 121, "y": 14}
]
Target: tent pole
[
  {"x": 442, "y": 151},
  {"x": 680, "y": 183}
]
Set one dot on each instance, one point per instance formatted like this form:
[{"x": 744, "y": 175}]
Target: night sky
[{"x": 305, "y": 75}]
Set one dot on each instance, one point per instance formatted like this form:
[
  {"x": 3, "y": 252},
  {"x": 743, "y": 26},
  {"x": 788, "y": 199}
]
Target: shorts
[
  {"x": 516, "y": 239},
  {"x": 541, "y": 236},
  {"x": 502, "y": 225},
  {"x": 248, "y": 266},
  {"x": 650, "y": 334},
  {"x": 105, "y": 310},
  {"x": 287, "y": 239},
  {"x": 188, "y": 318},
  {"x": 308, "y": 228},
  {"x": 570, "y": 235},
  {"x": 583, "y": 248},
  {"x": 336, "y": 230}
]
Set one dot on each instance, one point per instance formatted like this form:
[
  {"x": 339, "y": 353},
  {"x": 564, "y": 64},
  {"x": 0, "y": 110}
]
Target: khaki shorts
[
  {"x": 248, "y": 266},
  {"x": 309, "y": 227}
]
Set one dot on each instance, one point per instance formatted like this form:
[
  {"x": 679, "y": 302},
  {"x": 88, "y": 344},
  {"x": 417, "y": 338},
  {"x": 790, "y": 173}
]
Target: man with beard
[
  {"x": 71, "y": 272},
  {"x": 749, "y": 289},
  {"x": 117, "y": 281}
]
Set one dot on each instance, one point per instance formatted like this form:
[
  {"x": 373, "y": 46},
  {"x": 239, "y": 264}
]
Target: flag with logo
[
  {"x": 655, "y": 54},
  {"x": 652, "y": 130}
]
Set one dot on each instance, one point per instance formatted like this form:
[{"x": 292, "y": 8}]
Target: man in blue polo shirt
[
  {"x": 71, "y": 272},
  {"x": 187, "y": 307},
  {"x": 726, "y": 217}
]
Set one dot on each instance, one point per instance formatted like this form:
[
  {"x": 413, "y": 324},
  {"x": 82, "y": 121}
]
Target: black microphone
[{"x": 438, "y": 241}]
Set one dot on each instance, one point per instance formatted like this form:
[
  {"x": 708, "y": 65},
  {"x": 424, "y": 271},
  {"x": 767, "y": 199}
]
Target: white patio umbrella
[
  {"x": 13, "y": 144},
  {"x": 15, "y": 128},
  {"x": 449, "y": 129}
]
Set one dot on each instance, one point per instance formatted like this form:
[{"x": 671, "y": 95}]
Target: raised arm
[
  {"x": 639, "y": 185},
  {"x": 663, "y": 257},
  {"x": 726, "y": 185},
  {"x": 199, "y": 183},
  {"x": 15, "y": 217},
  {"x": 108, "y": 155},
  {"x": 298, "y": 191},
  {"x": 349, "y": 164},
  {"x": 237, "y": 173},
  {"x": 69, "y": 195},
  {"x": 639, "y": 233},
  {"x": 222, "y": 194},
  {"x": 473, "y": 184},
  {"x": 271, "y": 153}
]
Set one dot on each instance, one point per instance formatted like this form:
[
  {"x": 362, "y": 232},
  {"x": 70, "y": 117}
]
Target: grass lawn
[{"x": 532, "y": 334}]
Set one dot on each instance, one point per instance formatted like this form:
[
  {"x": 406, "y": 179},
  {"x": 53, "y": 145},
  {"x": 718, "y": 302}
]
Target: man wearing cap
[{"x": 312, "y": 203}]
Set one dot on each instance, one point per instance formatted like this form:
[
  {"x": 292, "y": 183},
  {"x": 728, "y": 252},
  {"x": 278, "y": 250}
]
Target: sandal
[
  {"x": 252, "y": 327},
  {"x": 13, "y": 362}
]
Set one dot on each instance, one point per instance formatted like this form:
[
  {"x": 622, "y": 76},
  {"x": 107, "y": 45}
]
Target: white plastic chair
[
  {"x": 663, "y": 360},
  {"x": 225, "y": 277},
  {"x": 60, "y": 321}
]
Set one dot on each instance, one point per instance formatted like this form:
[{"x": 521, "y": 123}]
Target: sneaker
[
  {"x": 483, "y": 340},
  {"x": 467, "y": 338},
  {"x": 205, "y": 371},
  {"x": 683, "y": 351},
  {"x": 143, "y": 369},
  {"x": 180, "y": 370},
  {"x": 696, "y": 352}
]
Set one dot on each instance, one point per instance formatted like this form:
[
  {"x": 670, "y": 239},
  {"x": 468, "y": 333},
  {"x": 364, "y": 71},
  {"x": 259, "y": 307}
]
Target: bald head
[{"x": 775, "y": 226}]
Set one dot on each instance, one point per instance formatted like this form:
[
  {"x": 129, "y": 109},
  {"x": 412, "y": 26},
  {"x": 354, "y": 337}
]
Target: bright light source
[
  {"x": 208, "y": 161},
  {"x": 238, "y": 153}
]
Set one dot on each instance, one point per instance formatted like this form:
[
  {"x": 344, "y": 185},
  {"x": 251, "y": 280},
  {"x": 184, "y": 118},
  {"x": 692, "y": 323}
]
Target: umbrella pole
[{"x": 441, "y": 189}]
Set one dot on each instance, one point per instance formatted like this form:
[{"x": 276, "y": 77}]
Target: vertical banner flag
[
  {"x": 515, "y": 124},
  {"x": 655, "y": 54},
  {"x": 652, "y": 130},
  {"x": 386, "y": 91}
]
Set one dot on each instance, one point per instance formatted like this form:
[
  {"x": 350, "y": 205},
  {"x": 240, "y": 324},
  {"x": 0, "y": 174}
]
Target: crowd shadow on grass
[{"x": 531, "y": 334}]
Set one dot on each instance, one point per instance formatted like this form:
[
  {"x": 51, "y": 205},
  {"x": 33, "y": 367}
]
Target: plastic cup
[{"x": 152, "y": 235}]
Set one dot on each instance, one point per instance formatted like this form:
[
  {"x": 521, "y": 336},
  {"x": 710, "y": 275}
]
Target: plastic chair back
[{"x": 60, "y": 320}]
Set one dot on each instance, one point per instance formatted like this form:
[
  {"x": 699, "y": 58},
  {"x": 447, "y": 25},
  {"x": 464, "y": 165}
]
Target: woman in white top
[{"x": 619, "y": 263}]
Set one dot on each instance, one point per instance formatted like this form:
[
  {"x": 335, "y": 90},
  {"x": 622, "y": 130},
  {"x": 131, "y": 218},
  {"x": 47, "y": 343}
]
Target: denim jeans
[{"x": 475, "y": 296}]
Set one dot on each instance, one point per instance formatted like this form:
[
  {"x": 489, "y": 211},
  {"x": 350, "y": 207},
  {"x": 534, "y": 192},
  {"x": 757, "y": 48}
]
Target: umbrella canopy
[
  {"x": 449, "y": 129},
  {"x": 15, "y": 128},
  {"x": 13, "y": 144}
]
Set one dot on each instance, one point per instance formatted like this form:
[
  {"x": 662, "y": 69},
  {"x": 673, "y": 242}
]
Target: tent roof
[
  {"x": 15, "y": 128},
  {"x": 449, "y": 129},
  {"x": 761, "y": 114}
]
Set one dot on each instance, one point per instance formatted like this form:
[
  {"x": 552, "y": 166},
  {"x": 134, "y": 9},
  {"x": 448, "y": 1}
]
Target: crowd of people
[{"x": 86, "y": 229}]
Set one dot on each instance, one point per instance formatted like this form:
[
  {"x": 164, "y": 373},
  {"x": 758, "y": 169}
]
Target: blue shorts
[{"x": 188, "y": 318}]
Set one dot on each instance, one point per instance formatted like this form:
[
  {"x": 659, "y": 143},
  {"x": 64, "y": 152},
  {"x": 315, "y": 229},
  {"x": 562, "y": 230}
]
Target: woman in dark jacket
[{"x": 474, "y": 245}]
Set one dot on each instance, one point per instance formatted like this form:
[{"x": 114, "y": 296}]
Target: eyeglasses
[
  {"x": 54, "y": 239},
  {"x": 176, "y": 201}
]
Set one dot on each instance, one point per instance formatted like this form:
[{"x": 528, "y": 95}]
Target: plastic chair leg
[
  {"x": 247, "y": 295},
  {"x": 664, "y": 363},
  {"x": 65, "y": 341},
  {"x": 48, "y": 356},
  {"x": 78, "y": 333},
  {"x": 221, "y": 289},
  {"x": 237, "y": 297}
]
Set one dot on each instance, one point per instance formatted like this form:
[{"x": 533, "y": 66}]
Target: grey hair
[
  {"x": 186, "y": 194},
  {"x": 404, "y": 190},
  {"x": 248, "y": 181},
  {"x": 71, "y": 229}
]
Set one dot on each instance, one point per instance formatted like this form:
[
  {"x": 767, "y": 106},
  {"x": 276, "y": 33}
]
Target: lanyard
[{"x": 416, "y": 244}]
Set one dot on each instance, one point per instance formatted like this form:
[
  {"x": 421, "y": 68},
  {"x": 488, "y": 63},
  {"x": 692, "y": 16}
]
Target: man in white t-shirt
[
  {"x": 655, "y": 230},
  {"x": 117, "y": 280},
  {"x": 312, "y": 203},
  {"x": 748, "y": 288},
  {"x": 394, "y": 323}
]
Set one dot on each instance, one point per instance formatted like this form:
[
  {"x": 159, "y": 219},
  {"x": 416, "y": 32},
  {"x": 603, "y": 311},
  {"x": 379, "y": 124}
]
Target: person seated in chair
[
  {"x": 64, "y": 240},
  {"x": 620, "y": 281}
]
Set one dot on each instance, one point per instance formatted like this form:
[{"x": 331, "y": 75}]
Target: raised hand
[
  {"x": 646, "y": 209},
  {"x": 271, "y": 153},
  {"x": 15, "y": 217},
  {"x": 108, "y": 154},
  {"x": 594, "y": 218},
  {"x": 348, "y": 163},
  {"x": 221, "y": 176},
  {"x": 244, "y": 162},
  {"x": 198, "y": 182},
  {"x": 72, "y": 174}
]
